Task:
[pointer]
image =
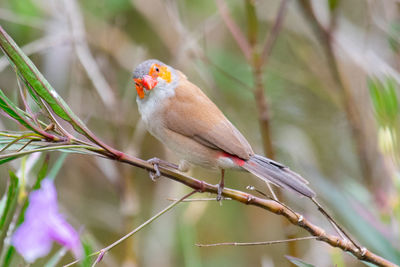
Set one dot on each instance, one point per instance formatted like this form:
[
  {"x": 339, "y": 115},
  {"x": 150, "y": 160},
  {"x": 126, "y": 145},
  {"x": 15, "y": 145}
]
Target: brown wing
[{"x": 196, "y": 116}]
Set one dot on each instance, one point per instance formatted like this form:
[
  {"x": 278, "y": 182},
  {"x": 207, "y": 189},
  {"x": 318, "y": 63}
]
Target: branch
[
  {"x": 59, "y": 107},
  {"x": 236, "y": 195},
  {"x": 266, "y": 204},
  {"x": 273, "y": 33},
  {"x": 262, "y": 243},
  {"x": 234, "y": 29}
]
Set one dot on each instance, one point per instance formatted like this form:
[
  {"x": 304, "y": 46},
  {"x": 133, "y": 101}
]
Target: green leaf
[
  {"x": 81, "y": 149},
  {"x": 5, "y": 160},
  {"x": 36, "y": 81},
  {"x": 385, "y": 101},
  {"x": 87, "y": 251},
  {"x": 9, "y": 198},
  {"x": 8, "y": 214},
  {"x": 9, "y": 256},
  {"x": 12, "y": 110},
  {"x": 31, "y": 92},
  {"x": 298, "y": 262}
]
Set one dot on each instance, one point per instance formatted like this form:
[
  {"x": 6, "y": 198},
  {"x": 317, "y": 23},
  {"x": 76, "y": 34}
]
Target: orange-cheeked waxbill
[{"x": 183, "y": 118}]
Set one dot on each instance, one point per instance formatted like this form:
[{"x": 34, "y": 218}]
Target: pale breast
[{"x": 151, "y": 109}]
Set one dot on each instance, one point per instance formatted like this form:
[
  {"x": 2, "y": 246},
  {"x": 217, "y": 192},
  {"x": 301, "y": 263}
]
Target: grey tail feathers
[{"x": 278, "y": 174}]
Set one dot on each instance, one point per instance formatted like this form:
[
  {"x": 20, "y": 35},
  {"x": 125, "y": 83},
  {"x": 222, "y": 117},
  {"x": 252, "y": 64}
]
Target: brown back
[{"x": 196, "y": 116}]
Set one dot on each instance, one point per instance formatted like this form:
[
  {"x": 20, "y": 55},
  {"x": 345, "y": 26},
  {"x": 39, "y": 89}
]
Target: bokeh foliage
[{"x": 310, "y": 130}]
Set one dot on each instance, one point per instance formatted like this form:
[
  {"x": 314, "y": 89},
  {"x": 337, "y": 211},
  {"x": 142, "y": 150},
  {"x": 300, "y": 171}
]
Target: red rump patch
[{"x": 238, "y": 161}]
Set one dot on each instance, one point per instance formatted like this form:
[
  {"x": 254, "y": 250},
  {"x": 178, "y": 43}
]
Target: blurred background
[{"x": 323, "y": 100}]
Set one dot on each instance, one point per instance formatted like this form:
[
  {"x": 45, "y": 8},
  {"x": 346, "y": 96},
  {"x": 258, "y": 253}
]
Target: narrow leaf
[
  {"x": 87, "y": 251},
  {"x": 11, "y": 109},
  {"x": 5, "y": 160},
  {"x": 9, "y": 256},
  {"x": 298, "y": 262},
  {"x": 81, "y": 149},
  {"x": 36, "y": 81},
  {"x": 9, "y": 198}
]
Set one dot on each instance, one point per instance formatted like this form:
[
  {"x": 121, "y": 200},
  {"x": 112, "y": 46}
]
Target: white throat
[{"x": 154, "y": 99}]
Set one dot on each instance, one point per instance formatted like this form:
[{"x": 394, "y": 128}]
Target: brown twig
[
  {"x": 245, "y": 198},
  {"x": 258, "y": 64},
  {"x": 207, "y": 60},
  {"x": 100, "y": 254},
  {"x": 267, "y": 204},
  {"x": 273, "y": 33},
  {"x": 199, "y": 199},
  {"x": 262, "y": 243}
]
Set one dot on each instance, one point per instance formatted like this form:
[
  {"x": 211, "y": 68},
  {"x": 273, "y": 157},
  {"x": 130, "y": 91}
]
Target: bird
[{"x": 181, "y": 116}]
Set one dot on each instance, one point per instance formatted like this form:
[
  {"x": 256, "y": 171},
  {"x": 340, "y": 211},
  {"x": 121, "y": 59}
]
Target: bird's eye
[{"x": 157, "y": 69}]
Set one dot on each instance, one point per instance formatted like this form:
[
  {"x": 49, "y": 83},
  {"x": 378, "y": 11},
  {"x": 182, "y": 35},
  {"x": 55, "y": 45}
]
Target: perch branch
[
  {"x": 266, "y": 204},
  {"x": 236, "y": 195}
]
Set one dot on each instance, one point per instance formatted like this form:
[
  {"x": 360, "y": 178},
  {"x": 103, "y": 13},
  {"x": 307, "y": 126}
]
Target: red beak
[{"x": 149, "y": 82}]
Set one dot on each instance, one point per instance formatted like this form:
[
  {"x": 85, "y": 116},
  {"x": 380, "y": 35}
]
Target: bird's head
[{"x": 150, "y": 74}]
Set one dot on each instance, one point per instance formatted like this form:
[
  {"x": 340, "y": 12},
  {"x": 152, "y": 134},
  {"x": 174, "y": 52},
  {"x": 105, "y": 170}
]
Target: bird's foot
[
  {"x": 221, "y": 185},
  {"x": 156, "y": 162},
  {"x": 219, "y": 193}
]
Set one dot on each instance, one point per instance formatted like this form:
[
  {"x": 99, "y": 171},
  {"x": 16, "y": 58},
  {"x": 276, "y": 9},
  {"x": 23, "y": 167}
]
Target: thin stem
[
  {"x": 19, "y": 138},
  {"x": 27, "y": 107},
  {"x": 207, "y": 60},
  {"x": 245, "y": 198},
  {"x": 199, "y": 199},
  {"x": 25, "y": 145},
  {"x": 49, "y": 148},
  {"x": 262, "y": 243},
  {"x": 267, "y": 204},
  {"x": 337, "y": 227},
  {"x": 272, "y": 191},
  {"x": 273, "y": 34},
  {"x": 234, "y": 29},
  {"x": 103, "y": 251},
  {"x": 54, "y": 120}
]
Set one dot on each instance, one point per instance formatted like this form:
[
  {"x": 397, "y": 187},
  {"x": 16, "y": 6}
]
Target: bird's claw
[
  {"x": 219, "y": 192},
  {"x": 156, "y": 173}
]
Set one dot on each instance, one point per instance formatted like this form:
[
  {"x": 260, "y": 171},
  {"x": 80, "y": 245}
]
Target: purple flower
[{"x": 43, "y": 225}]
